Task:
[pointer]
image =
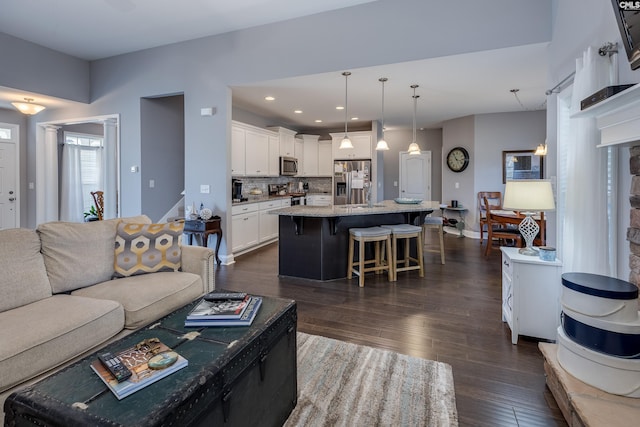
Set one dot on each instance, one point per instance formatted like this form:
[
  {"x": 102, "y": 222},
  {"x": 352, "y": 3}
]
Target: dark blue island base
[{"x": 313, "y": 247}]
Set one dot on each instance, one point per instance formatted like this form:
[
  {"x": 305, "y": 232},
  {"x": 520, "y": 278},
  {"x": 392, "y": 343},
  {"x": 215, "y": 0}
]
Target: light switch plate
[{"x": 204, "y": 189}]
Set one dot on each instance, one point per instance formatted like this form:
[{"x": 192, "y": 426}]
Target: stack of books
[
  {"x": 134, "y": 368},
  {"x": 224, "y": 309}
]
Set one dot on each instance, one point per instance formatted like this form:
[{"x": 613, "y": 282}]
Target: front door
[
  {"x": 8, "y": 185},
  {"x": 415, "y": 175}
]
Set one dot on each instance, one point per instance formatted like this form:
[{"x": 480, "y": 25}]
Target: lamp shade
[
  {"x": 28, "y": 107},
  {"x": 532, "y": 195}
]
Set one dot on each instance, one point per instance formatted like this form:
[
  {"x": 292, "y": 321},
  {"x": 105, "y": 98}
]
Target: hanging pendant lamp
[
  {"x": 382, "y": 144},
  {"x": 346, "y": 142},
  {"x": 414, "y": 148}
]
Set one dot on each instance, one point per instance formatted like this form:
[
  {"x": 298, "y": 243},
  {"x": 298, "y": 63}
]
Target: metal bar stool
[
  {"x": 406, "y": 232},
  {"x": 378, "y": 236},
  {"x": 434, "y": 222}
]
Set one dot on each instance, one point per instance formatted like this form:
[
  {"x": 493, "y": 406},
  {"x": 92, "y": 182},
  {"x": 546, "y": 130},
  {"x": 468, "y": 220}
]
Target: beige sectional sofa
[{"x": 58, "y": 299}]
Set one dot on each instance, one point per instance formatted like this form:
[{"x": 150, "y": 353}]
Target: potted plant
[{"x": 92, "y": 215}]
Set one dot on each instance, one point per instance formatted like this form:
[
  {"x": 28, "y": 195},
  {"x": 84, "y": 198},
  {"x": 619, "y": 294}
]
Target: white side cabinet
[
  {"x": 530, "y": 295},
  {"x": 325, "y": 159},
  {"x": 254, "y": 151},
  {"x": 268, "y": 222}
]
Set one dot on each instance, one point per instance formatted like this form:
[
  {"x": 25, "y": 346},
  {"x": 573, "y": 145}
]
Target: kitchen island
[{"x": 314, "y": 240}]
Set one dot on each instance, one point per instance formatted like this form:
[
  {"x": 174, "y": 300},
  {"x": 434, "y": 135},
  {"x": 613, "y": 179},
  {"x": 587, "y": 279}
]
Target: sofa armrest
[{"x": 200, "y": 260}]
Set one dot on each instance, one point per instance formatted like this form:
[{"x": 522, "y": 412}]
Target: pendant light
[
  {"x": 414, "y": 148},
  {"x": 382, "y": 144},
  {"x": 28, "y": 107},
  {"x": 346, "y": 142}
]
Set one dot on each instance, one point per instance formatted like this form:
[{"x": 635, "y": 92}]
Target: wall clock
[{"x": 458, "y": 159}]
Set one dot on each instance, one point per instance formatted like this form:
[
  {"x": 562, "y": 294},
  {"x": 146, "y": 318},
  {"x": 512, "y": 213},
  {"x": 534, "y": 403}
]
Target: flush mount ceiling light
[
  {"x": 269, "y": 98},
  {"x": 414, "y": 148},
  {"x": 28, "y": 107},
  {"x": 382, "y": 144},
  {"x": 346, "y": 142}
]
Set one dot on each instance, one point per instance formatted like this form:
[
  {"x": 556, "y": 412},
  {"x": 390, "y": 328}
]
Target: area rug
[{"x": 343, "y": 384}]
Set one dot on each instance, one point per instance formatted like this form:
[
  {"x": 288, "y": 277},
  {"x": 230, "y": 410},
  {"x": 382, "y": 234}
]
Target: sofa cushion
[
  {"x": 40, "y": 336},
  {"x": 147, "y": 248},
  {"x": 23, "y": 278},
  {"x": 148, "y": 297},
  {"x": 79, "y": 254}
]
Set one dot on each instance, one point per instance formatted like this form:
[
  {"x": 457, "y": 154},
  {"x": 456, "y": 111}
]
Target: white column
[
  {"x": 49, "y": 174},
  {"x": 110, "y": 168}
]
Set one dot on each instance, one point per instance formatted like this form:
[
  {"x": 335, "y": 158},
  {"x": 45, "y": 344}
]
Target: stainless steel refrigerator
[{"x": 351, "y": 181}]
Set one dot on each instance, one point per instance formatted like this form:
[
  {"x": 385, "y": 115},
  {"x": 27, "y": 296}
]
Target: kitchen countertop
[{"x": 384, "y": 207}]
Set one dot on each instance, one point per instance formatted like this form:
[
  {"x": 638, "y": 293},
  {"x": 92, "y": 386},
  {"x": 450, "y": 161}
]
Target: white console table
[{"x": 530, "y": 295}]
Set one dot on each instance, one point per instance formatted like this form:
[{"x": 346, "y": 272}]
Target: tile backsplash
[{"x": 316, "y": 185}]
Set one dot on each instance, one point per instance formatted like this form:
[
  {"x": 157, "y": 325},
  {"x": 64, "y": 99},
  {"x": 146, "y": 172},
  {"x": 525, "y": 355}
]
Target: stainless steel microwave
[{"x": 288, "y": 166}]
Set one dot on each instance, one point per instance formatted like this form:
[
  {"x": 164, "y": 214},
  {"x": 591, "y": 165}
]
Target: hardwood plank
[{"x": 451, "y": 315}]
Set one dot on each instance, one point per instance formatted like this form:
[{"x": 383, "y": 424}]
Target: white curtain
[
  {"x": 71, "y": 200},
  {"x": 587, "y": 240}
]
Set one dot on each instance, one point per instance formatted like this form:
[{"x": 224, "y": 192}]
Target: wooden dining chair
[
  {"x": 495, "y": 200},
  {"x": 98, "y": 199},
  {"x": 497, "y": 230}
]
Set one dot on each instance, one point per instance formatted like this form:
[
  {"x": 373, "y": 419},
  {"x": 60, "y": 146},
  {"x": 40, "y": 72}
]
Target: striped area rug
[{"x": 343, "y": 384}]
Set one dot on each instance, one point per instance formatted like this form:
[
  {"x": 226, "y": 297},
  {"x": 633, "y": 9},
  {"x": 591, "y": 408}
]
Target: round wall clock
[{"x": 458, "y": 159}]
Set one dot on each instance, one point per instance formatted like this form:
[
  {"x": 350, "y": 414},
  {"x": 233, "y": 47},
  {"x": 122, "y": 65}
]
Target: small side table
[
  {"x": 203, "y": 229},
  {"x": 460, "y": 224}
]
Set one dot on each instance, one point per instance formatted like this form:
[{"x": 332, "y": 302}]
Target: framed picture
[{"x": 521, "y": 164}]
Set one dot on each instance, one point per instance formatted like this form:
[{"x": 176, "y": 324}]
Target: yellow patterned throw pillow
[{"x": 147, "y": 248}]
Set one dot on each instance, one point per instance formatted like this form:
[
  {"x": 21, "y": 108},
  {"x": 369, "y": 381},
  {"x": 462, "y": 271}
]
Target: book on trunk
[
  {"x": 250, "y": 312},
  {"x": 224, "y": 309},
  {"x": 138, "y": 360}
]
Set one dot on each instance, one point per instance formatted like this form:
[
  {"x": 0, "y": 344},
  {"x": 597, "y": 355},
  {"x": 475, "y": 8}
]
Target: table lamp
[{"x": 529, "y": 196}]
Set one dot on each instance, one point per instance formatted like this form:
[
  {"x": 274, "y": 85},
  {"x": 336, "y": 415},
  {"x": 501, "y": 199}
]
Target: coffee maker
[{"x": 236, "y": 191}]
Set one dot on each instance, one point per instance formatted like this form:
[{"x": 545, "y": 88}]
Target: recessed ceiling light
[
  {"x": 297, "y": 111},
  {"x": 339, "y": 107},
  {"x": 318, "y": 121},
  {"x": 269, "y": 98},
  {"x": 354, "y": 118}
]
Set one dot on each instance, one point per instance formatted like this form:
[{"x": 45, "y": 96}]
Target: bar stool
[
  {"x": 434, "y": 222},
  {"x": 378, "y": 236},
  {"x": 406, "y": 232}
]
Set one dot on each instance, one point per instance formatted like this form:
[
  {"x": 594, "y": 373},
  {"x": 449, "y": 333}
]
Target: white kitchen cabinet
[
  {"x": 325, "y": 158},
  {"x": 237, "y": 151},
  {"x": 309, "y": 155},
  {"x": 361, "y": 146},
  {"x": 287, "y": 140},
  {"x": 254, "y": 151},
  {"x": 268, "y": 222},
  {"x": 274, "y": 155},
  {"x": 257, "y": 153},
  {"x": 319, "y": 200},
  {"x": 245, "y": 226},
  {"x": 298, "y": 153},
  {"x": 530, "y": 295}
]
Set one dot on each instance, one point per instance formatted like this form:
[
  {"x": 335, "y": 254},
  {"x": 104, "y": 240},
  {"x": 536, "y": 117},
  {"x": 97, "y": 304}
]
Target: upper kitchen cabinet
[
  {"x": 238, "y": 151},
  {"x": 254, "y": 151},
  {"x": 287, "y": 140},
  {"x": 325, "y": 158},
  {"x": 309, "y": 155},
  {"x": 361, "y": 145},
  {"x": 298, "y": 153}
]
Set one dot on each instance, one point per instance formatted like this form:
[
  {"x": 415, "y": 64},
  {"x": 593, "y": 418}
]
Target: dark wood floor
[{"x": 451, "y": 315}]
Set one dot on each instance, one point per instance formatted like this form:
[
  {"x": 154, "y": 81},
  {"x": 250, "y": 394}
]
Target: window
[
  {"x": 5, "y": 134},
  {"x": 90, "y": 164}
]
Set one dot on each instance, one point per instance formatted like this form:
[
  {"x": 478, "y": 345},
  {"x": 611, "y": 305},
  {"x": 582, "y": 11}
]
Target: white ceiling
[{"x": 449, "y": 87}]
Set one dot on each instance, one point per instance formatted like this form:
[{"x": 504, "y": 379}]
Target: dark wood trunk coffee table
[{"x": 237, "y": 376}]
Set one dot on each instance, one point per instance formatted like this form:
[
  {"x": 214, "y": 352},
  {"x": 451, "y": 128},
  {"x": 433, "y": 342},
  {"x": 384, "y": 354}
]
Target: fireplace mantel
[{"x": 618, "y": 118}]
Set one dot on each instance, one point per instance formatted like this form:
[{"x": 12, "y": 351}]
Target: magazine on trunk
[
  {"x": 138, "y": 360},
  {"x": 246, "y": 319},
  {"x": 224, "y": 309}
]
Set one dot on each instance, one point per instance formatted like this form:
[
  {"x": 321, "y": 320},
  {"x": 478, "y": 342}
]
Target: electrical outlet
[
  {"x": 457, "y": 185},
  {"x": 204, "y": 189},
  {"x": 152, "y": 183}
]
